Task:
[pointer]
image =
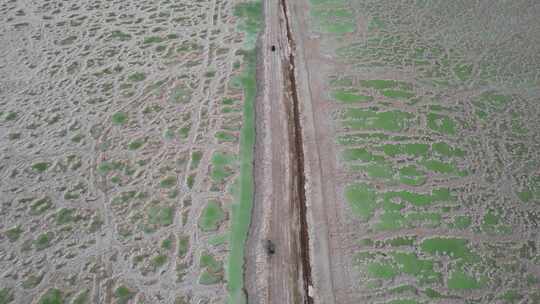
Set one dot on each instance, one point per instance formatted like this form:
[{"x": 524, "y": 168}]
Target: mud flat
[
  {"x": 126, "y": 135},
  {"x": 422, "y": 164}
]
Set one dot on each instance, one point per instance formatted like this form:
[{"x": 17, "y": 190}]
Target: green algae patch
[
  {"x": 158, "y": 261},
  {"x": 82, "y": 297},
  {"x": 190, "y": 181},
  {"x": 362, "y": 199},
  {"x": 341, "y": 81},
  {"x": 438, "y": 166},
  {"x": 41, "y": 167},
  {"x": 65, "y": 216},
  {"x": 397, "y": 94},
  {"x": 120, "y": 36},
  {"x": 220, "y": 163},
  {"x": 208, "y": 278},
  {"x": 14, "y": 233},
  {"x": 168, "y": 182},
  {"x": 212, "y": 269},
  {"x": 357, "y": 154},
  {"x": 350, "y": 97},
  {"x": 123, "y": 294},
  {"x": 525, "y": 196},
  {"x": 423, "y": 270},
  {"x": 395, "y": 219},
  {"x": 166, "y": 243},
  {"x": 375, "y": 24},
  {"x": 445, "y": 149},
  {"x": 382, "y": 270},
  {"x": 211, "y": 216},
  {"x": 490, "y": 219},
  {"x": 392, "y": 206},
  {"x": 392, "y": 149},
  {"x": 441, "y": 123},
  {"x": 251, "y": 15},
  {"x": 223, "y": 136},
  {"x": 416, "y": 149},
  {"x": 10, "y": 116},
  {"x": 52, "y": 296},
  {"x": 180, "y": 95},
  {"x": 431, "y": 293},
  {"x": 217, "y": 240},
  {"x": 119, "y": 118},
  {"x": 251, "y": 20},
  {"x": 361, "y": 138},
  {"x": 395, "y": 264},
  {"x": 463, "y": 71},
  {"x": 228, "y": 101},
  {"x": 184, "y": 132},
  {"x": 491, "y": 224},
  {"x": 452, "y": 247},
  {"x": 183, "y": 245},
  {"x": 494, "y": 100},
  {"x": 105, "y": 167},
  {"x": 6, "y": 295},
  {"x": 360, "y": 119},
  {"x": 345, "y": 26},
  {"x": 379, "y": 84},
  {"x": 420, "y": 199},
  {"x": 152, "y": 39},
  {"x": 401, "y": 241},
  {"x": 462, "y": 222},
  {"x": 209, "y": 261},
  {"x": 332, "y": 18},
  {"x": 410, "y": 175},
  {"x": 413, "y": 149},
  {"x": 511, "y": 296},
  {"x": 379, "y": 170},
  {"x": 459, "y": 280},
  {"x": 196, "y": 157},
  {"x": 428, "y": 219},
  {"x": 135, "y": 145},
  {"x": 137, "y": 77},
  {"x": 160, "y": 215},
  {"x": 41, "y": 205},
  {"x": 125, "y": 197}
]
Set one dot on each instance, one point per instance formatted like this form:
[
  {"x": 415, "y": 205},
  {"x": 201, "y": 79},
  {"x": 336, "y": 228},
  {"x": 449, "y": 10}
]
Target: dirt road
[
  {"x": 329, "y": 267},
  {"x": 276, "y": 213},
  {"x": 276, "y": 216}
]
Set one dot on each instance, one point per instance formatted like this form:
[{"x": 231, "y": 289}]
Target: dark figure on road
[
  {"x": 273, "y": 48},
  {"x": 270, "y": 247}
]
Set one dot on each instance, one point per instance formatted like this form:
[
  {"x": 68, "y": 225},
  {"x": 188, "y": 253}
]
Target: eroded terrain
[{"x": 125, "y": 137}]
